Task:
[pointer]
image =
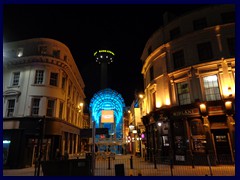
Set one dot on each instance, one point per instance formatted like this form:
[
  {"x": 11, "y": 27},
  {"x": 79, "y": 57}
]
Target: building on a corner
[
  {"x": 42, "y": 91},
  {"x": 189, "y": 87}
]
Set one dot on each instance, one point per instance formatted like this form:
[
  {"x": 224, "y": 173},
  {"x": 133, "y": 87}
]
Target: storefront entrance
[{"x": 222, "y": 146}]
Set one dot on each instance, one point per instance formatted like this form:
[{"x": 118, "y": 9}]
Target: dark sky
[{"x": 123, "y": 29}]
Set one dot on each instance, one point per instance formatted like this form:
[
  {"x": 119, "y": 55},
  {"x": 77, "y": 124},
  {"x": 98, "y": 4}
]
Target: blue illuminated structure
[{"x": 108, "y": 99}]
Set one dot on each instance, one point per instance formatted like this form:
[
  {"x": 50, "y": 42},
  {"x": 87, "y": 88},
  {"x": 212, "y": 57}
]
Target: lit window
[
  {"x": 39, "y": 77},
  {"x": 211, "y": 88},
  {"x": 183, "y": 93},
  {"x": 16, "y": 77},
  {"x": 53, "y": 79},
  {"x": 35, "y": 106},
  {"x": 19, "y": 52},
  {"x": 10, "y": 109}
]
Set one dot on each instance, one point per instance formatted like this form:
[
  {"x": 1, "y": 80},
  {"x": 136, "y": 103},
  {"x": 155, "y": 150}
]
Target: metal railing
[{"x": 135, "y": 166}]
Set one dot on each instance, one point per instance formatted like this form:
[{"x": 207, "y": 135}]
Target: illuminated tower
[{"x": 104, "y": 57}]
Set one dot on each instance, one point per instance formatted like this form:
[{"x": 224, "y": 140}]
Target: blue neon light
[{"x": 108, "y": 99}]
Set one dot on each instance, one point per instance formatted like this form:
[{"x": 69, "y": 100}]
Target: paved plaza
[{"x": 141, "y": 167}]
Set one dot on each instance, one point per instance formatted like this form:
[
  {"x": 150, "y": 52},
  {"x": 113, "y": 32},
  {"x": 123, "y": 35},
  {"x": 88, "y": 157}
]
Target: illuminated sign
[
  {"x": 6, "y": 142},
  {"x": 104, "y": 51},
  {"x": 107, "y": 116}
]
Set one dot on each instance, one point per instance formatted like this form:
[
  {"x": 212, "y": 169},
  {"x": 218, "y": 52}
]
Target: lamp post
[{"x": 159, "y": 124}]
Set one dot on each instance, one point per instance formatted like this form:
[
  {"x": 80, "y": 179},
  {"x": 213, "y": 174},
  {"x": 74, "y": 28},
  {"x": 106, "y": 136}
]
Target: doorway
[{"x": 222, "y": 146}]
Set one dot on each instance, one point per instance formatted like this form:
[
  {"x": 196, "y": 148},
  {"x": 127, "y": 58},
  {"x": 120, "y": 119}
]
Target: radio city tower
[{"x": 104, "y": 57}]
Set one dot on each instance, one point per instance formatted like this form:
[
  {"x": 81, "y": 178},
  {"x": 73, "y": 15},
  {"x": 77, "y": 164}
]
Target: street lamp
[
  {"x": 131, "y": 126},
  {"x": 140, "y": 96},
  {"x": 228, "y": 107}
]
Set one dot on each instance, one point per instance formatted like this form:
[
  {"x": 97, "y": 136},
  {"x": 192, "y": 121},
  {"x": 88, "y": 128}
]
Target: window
[
  {"x": 199, "y": 24},
  {"x": 175, "y": 33},
  {"x": 16, "y": 77},
  {"x": 50, "y": 107},
  {"x": 10, "y": 109},
  {"x": 61, "y": 110},
  {"x": 65, "y": 58},
  {"x": 53, "y": 79},
  {"x": 153, "y": 100},
  {"x": 56, "y": 53},
  {"x": 151, "y": 73},
  {"x": 63, "y": 82},
  {"x": 39, "y": 77},
  {"x": 43, "y": 50},
  {"x": 205, "y": 51},
  {"x": 183, "y": 93},
  {"x": 19, "y": 52},
  {"x": 35, "y": 106},
  {"x": 228, "y": 17},
  {"x": 211, "y": 88},
  {"x": 178, "y": 59},
  {"x": 231, "y": 46}
]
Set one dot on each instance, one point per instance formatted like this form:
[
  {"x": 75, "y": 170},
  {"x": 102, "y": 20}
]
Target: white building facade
[
  {"x": 41, "y": 82},
  {"x": 189, "y": 87}
]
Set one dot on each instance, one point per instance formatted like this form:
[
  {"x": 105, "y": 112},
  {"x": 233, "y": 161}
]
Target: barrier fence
[{"x": 135, "y": 166}]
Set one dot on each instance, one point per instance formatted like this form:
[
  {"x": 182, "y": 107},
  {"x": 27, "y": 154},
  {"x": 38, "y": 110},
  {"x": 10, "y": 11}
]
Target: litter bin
[{"x": 119, "y": 170}]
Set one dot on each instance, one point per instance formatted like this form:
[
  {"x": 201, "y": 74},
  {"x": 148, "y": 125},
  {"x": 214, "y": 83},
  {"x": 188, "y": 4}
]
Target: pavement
[{"x": 103, "y": 168}]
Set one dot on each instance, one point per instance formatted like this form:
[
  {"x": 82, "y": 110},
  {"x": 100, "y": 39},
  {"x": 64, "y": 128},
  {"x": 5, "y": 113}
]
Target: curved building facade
[
  {"x": 189, "y": 86},
  {"x": 43, "y": 92}
]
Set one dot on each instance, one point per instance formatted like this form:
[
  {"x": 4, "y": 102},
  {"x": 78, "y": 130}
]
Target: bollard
[
  {"x": 131, "y": 162},
  {"x": 192, "y": 161},
  {"x": 155, "y": 162},
  {"x": 171, "y": 166}
]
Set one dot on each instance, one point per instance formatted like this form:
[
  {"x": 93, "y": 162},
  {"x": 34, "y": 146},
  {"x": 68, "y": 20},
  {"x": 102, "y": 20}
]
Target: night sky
[{"x": 123, "y": 29}]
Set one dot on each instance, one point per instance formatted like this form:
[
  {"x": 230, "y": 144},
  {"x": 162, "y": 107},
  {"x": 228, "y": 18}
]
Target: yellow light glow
[
  {"x": 167, "y": 102},
  {"x": 140, "y": 96},
  {"x": 228, "y": 105},
  {"x": 228, "y": 91},
  {"x": 203, "y": 108},
  {"x": 105, "y": 51},
  {"x": 158, "y": 104}
]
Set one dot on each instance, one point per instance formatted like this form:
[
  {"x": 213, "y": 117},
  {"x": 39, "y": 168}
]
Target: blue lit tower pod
[
  {"x": 108, "y": 100},
  {"x": 104, "y": 57}
]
